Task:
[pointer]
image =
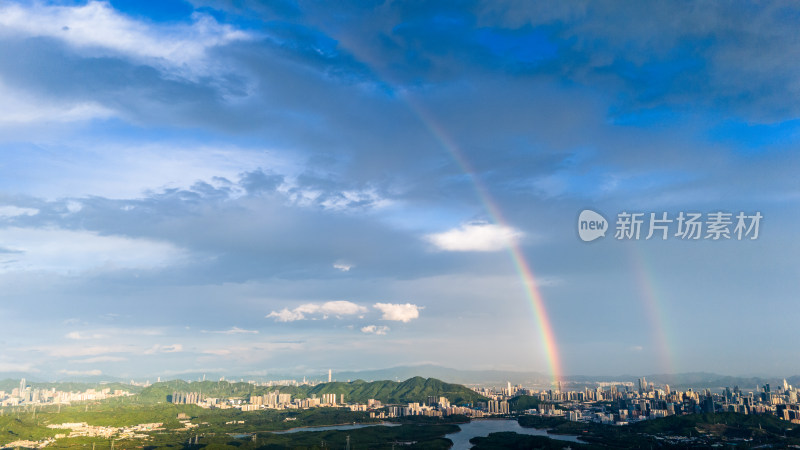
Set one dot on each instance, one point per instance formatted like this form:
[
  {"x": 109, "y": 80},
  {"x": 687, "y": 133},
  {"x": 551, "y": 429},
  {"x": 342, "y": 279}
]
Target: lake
[
  {"x": 336, "y": 427},
  {"x": 482, "y": 427},
  {"x": 479, "y": 427}
]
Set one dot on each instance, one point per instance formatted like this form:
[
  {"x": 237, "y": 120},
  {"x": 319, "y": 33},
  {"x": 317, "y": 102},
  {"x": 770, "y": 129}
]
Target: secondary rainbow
[{"x": 652, "y": 303}]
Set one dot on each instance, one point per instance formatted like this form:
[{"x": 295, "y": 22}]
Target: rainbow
[
  {"x": 522, "y": 267},
  {"x": 524, "y": 270}
]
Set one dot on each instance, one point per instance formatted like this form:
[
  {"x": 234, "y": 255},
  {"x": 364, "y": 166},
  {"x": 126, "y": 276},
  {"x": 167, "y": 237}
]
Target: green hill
[
  {"x": 415, "y": 389},
  {"x": 523, "y": 402},
  {"x": 729, "y": 423}
]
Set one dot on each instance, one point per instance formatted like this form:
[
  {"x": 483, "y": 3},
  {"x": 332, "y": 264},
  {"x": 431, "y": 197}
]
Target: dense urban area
[{"x": 178, "y": 413}]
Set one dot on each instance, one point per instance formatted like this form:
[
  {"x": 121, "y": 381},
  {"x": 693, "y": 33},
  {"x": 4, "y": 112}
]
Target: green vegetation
[
  {"x": 690, "y": 430},
  {"x": 216, "y": 426},
  {"x": 15, "y": 427},
  {"x": 511, "y": 440},
  {"x": 19, "y": 423},
  {"x": 378, "y": 437},
  {"x": 232, "y": 428},
  {"x": 720, "y": 424},
  {"x": 429, "y": 437},
  {"x": 523, "y": 402},
  {"x": 415, "y": 389}
]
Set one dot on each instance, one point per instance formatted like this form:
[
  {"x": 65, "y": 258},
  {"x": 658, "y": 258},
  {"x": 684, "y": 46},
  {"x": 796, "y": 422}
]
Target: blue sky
[{"x": 259, "y": 187}]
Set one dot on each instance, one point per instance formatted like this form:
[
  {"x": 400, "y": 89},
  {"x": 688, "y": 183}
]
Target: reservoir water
[
  {"x": 479, "y": 427},
  {"x": 336, "y": 427},
  {"x": 482, "y": 427}
]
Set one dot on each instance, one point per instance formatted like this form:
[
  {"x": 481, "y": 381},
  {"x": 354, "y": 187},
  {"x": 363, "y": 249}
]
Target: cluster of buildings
[
  {"x": 620, "y": 404},
  {"x": 27, "y": 395},
  {"x": 81, "y": 429},
  {"x": 434, "y": 407},
  {"x": 270, "y": 400}
]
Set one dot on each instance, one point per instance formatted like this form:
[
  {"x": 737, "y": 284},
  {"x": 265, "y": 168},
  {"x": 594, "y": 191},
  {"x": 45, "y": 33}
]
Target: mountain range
[{"x": 695, "y": 380}]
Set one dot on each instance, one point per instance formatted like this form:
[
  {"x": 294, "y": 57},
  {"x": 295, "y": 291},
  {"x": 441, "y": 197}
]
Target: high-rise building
[
  {"x": 503, "y": 407},
  {"x": 330, "y": 375},
  {"x": 22, "y": 385}
]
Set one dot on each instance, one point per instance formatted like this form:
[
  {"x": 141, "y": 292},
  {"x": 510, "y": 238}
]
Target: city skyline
[{"x": 252, "y": 187}]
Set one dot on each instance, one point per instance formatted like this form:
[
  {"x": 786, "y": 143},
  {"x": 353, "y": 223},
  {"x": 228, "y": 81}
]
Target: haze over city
[{"x": 249, "y": 188}]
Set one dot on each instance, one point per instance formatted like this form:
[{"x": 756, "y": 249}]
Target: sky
[{"x": 258, "y": 187}]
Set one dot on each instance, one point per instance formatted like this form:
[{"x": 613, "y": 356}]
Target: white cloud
[
  {"x": 71, "y": 252},
  {"x": 123, "y": 171},
  {"x": 217, "y": 351},
  {"x": 375, "y": 329},
  {"x": 286, "y": 315},
  {"x": 341, "y": 307},
  {"x": 343, "y": 266},
  {"x": 76, "y": 335},
  {"x": 333, "y": 201},
  {"x": 68, "y": 351},
  {"x": 347, "y": 199},
  {"x": 475, "y": 237},
  {"x": 17, "y": 367},
  {"x": 97, "y": 359},
  {"x": 158, "y": 348},
  {"x": 7, "y": 211},
  {"x": 253, "y": 350},
  {"x": 233, "y": 330},
  {"x": 97, "y": 27},
  {"x": 335, "y": 308},
  {"x": 81, "y": 372},
  {"x": 74, "y": 207},
  {"x": 21, "y": 108},
  {"x": 399, "y": 312}
]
